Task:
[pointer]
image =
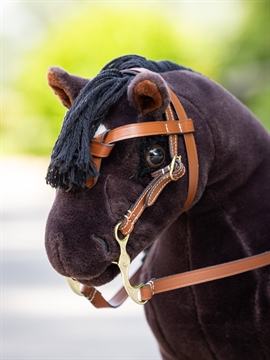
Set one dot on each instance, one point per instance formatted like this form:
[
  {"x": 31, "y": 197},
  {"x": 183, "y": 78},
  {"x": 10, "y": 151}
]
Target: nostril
[{"x": 103, "y": 243}]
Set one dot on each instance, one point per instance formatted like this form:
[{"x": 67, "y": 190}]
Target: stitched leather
[
  {"x": 96, "y": 298},
  {"x": 102, "y": 145},
  {"x": 193, "y": 170},
  {"x": 205, "y": 274},
  {"x": 193, "y": 163},
  {"x": 178, "y": 281},
  {"x": 132, "y": 131},
  {"x": 149, "y": 196}
]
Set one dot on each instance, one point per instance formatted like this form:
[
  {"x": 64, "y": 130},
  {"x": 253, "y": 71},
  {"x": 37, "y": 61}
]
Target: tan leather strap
[
  {"x": 192, "y": 156},
  {"x": 102, "y": 145},
  {"x": 203, "y": 275},
  {"x": 193, "y": 170},
  {"x": 162, "y": 177},
  {"x": 96, "y": 298},
  {"x": 178, "y": 281},
  {"x": 149, "y": 129}
]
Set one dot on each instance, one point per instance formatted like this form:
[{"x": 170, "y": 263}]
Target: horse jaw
[{"x": 79, "y": 235}]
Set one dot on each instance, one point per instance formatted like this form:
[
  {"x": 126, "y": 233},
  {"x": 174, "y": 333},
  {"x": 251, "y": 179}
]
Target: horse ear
[
  {"x": 64, "y": 85},
  {"x": 149, "y": 93}
]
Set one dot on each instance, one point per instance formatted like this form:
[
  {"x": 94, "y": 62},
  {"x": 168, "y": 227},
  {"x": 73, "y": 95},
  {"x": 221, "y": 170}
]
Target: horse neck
[{"x": 226, "y": 221}]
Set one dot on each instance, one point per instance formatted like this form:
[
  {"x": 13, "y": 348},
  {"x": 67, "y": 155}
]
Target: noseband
[{"x": 176, "y": 123}]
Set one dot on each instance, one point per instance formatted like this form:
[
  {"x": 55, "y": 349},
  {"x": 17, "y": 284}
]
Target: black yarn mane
[{"x": 71, "y": 161}]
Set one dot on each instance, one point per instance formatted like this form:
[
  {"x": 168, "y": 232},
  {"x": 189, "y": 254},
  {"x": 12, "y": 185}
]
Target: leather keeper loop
[{"x": 100, "y": 149}]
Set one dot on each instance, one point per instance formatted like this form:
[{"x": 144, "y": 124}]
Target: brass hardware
[
  {"x": 123, "y": 264},
  {"x": 172, "y": 165},
  {"x": 74, "y": 285}
]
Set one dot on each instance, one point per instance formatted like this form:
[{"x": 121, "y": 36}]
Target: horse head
[
  {"x": 80, "y": 228},
  {"x": 125, "y": 166}
]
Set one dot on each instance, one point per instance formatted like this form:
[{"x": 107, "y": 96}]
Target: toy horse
[{"x": 153, "y": 156}]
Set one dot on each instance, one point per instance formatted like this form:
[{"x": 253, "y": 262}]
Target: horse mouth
[
  {"x": 105, "y": 277},
  {"x": 109, "y": 273}
]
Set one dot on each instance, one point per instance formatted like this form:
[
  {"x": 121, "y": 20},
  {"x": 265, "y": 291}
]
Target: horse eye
[{"x": 155, "y": 156}]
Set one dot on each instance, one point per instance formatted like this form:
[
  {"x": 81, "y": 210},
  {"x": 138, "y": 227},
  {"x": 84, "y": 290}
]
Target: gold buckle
[
  {"x": 172, "y": 165},
  {"x": 123, "y": 263},
  {"x": 74, "y": 285}
]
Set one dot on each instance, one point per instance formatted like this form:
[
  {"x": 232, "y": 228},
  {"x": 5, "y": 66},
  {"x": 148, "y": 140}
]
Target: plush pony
[{"x": 227, "y": 218}]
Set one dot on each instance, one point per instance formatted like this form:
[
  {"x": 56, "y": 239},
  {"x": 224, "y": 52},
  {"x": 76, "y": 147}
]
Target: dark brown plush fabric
[
  {"x": 66, "y": 86},
  {"x": 149, "y": 93},
  {"x": 147, "y": 97},
  {"x": 227, "y": 319}
]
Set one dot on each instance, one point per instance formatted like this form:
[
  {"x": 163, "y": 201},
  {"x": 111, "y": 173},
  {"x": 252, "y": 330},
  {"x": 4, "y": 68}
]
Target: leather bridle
[
  {"x": 176, "y": 123},
  {"x": 102, "y": 145}
]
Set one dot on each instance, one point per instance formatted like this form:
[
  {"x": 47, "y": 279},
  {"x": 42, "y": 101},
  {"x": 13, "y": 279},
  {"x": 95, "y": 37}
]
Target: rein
[{"x": 176, "y": 123}]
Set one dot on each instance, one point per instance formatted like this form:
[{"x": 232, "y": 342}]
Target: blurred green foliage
[
  {"x": 247, "y": 73},
  {"x": 83, "y": 41}
]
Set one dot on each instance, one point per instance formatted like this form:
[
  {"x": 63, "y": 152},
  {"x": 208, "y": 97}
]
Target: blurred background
[{"x": 227, "y": 41}]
